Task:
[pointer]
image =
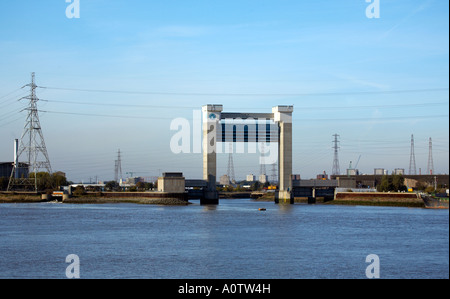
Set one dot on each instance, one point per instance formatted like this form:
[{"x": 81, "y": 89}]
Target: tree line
[
  {"x": 45, "y": 181},
  {"x": 392, "y": 183},
  {"x": 396, "y": 183}
]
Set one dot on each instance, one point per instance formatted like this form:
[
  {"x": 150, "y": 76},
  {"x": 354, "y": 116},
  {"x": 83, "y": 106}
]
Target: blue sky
[{"x": 372, "y": 81}]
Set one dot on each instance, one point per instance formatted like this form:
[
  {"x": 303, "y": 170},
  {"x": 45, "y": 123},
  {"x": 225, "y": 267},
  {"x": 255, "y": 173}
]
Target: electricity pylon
[
  {"x": 336, "y": 169},
  {"x": 32, "y": 147}
]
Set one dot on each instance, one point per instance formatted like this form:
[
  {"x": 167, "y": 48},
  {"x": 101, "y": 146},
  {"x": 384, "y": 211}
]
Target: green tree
[
  {"x": 79, "y": 191},
  {"x": 59, "y": 179},
  {"x": 429, "y": 189},
  {"x": 398, "y": 182},
  {"x": 256, "y": 186},
  {"x": 45, "y": 181},
  {"x": 140, "y": 186},
  {"x": 112, "y": 186},
  {"x": 384, "y": 185},
  {"x": 392, "y": 183},
  {"x": 421, "y": 186}
]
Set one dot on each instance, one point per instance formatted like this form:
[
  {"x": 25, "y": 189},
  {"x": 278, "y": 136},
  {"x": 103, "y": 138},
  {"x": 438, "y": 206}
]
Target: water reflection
[{"x": 207, "y": 208}]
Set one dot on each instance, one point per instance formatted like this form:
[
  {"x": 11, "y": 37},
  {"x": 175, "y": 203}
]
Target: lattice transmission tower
[
  {"x": 118, "y": 168},
  {"x": 31, "y": 147},
  {"x": 262, "y": 161},
  {"x": 336, "y": 170},
  {"x": 230, "y": 171},
  {"x": 430, "y": 167},
  {"x": 274, "y": 174},
  {"x": 412, "y": 158}
]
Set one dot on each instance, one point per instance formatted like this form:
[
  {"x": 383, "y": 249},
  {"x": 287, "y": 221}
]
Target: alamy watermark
[
  {"x": 373, "y": 10},
  {"x": 73, "y": 9},
  {"x": 373, "y": 270},
  {"x": 73, "y": 270}
]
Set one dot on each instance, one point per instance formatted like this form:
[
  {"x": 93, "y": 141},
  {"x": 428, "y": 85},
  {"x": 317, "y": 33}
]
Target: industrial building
[
  {"x": 224, "y": 180},
  {"x": 372, "y": 181},
  {"x": 7, "y": 167},
  {"x": 250, "y": 178},
  {"x": 263, "y": 178}
]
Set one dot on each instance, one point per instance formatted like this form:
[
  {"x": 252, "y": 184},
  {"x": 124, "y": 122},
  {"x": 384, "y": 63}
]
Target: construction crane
[
  {"x": 356, "y": 165},
  {"x": 350, "y": 168}
]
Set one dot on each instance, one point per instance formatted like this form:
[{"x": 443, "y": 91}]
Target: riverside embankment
[
  {"x": 20, "y": 198},
  {"x": 378, "y": 199},
  {"x": 361, "y": 198},
  {"x": 158, "y": 198}
]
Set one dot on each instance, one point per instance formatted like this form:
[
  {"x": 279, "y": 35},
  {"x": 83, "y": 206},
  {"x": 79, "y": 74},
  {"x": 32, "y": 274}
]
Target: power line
[
  {"x": 297, "y": 120},
  {"x": 402, "y": 106},
  {"x": 103, "y": 115},
  {"x": 121, "y": 105},
  {"x": 9, "y": 93},
  {"x": 11, "y": 113},
  {"x": 9, "y": 122},
  {"x": 247, "y": 94}
]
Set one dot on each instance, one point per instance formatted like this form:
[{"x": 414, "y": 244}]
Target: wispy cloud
[
  {"x": 362, "y": 82},
  {"x": 418, "y": 9}
]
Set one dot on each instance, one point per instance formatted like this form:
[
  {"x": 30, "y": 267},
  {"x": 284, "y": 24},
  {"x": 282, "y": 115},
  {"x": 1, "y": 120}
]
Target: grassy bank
[
  {"x": 269, "y": 196},
  {"x": 225, "y": 194},
  {"x": 378, "y": 199},
  {"x": 384, "y": 203},
  {"x": 20, "y": 198}
]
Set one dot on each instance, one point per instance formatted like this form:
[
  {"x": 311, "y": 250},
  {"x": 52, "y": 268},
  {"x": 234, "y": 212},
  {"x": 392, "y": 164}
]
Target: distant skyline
[{"x": 116, "y": 77}]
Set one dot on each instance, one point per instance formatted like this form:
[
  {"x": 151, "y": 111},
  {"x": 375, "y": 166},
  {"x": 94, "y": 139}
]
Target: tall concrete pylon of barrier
[
  {"x": 211, "y": 118},
  {"x": 283, "y": 116},
  {"x": 277, "y": 127}
]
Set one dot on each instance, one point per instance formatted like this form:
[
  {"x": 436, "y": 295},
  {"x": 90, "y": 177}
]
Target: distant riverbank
[
  {"x": 342, "y": 198},
  {"x": 393, "y": 199},
  {"x": 134, "y": 200},
  {"x": 96, "y": 198}
]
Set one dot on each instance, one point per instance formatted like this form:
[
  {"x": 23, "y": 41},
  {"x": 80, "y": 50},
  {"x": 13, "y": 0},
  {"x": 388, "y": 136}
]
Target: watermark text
[
  {"x": 73, "y": 9},
  {"x": 373, "y": 270},
  {"x": 73, "y": 270},
  {"x": 373, "y": 10}
]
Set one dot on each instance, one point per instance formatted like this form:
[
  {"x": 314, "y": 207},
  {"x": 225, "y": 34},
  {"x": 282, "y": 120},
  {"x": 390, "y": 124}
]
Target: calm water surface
[{"x": 232, "y": 240}]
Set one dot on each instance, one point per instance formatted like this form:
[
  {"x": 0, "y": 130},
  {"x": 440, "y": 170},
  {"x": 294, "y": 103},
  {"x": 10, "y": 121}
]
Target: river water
[{"x": 233, "y": 240}]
